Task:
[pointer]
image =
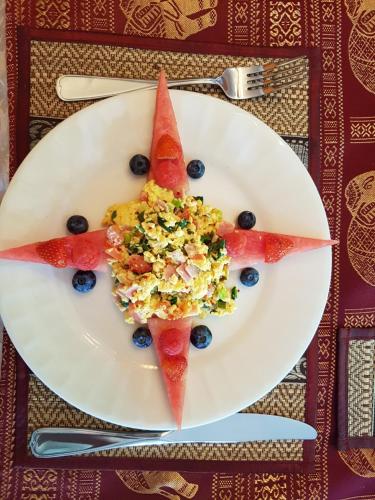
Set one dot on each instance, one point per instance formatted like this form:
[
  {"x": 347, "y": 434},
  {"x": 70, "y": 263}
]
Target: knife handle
[{"x": 52, "y": 442}]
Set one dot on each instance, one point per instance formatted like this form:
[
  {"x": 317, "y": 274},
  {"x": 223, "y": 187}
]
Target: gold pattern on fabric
[
  {"x": 361, "y": 374},
  {"x": 361, "y": 48},
  {"x": 360, "y": 201},
  {"x": 286, "y": 112},
  {"x": 98, "y": 15},
  {"x": 359, "y": 318},
  {"x": 83, "y": 484},
  {"x": 361, "y": 461},
  {"x": 176, "y": 19},
  {"x": 53, "y": 14},
  {"x": 362, "y": 129},
  {"x": 285, "y": 28},
  {"x": 46, "y": 409},
  {"x": 158, "y": 483}
]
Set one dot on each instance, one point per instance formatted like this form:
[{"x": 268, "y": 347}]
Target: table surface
[
  {"x": 347, "y": 145},
  {"x": 4, "y": 158}
]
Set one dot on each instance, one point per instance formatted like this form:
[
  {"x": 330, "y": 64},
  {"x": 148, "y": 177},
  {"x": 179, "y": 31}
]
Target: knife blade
[{"x": 241, "y": 427}]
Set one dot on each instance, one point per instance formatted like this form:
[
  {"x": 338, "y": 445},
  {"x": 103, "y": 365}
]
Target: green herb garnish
[
  {"x": 234, "y": 293},
  {"x": 127, "y": 238},
  {"x": 124, "y": 303},
  {"x": 114, "y": 215},
  {"x": 173, "y": 301},
  {"x": 221, "y": 304},
  {"x": 199, "y": 198},
  {"x": 183, "y": 223},
  {"x": 162, "y": 224},
  {"x": 141, "y": 216},
  {"x": 140, "y": 228},
  {"x": 177, "y": 203},
  {"x": 207, "y": 238}
]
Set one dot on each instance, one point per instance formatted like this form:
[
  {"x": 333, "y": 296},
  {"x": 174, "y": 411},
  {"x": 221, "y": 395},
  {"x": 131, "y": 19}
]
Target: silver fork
[{"x": 237, "y": 83}]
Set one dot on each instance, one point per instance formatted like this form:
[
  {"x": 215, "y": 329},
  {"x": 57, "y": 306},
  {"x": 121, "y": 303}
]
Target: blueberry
[
  {"x": 139, "y": 165},
  {"x": 201, "y": 336},
  {"x": 77, "y": 224},
  {"x": 196, "y": 169},
  {"x": 84, "y": 281},
  {"x": 246, "y": 220},
  {"x": 249, "y": 276},
  {"x": 142, "y": 337}
]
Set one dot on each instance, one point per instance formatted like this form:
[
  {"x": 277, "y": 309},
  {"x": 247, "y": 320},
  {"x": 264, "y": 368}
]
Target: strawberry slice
[
  {"x": 138, "y": 265},
  {"x": 276, "y": 247},
  {"x": 167, "y": 148},
  {"x": 171, "y": 342},
  {"x": 174, "y": 367},
  {"x": 53, "y": 252}
]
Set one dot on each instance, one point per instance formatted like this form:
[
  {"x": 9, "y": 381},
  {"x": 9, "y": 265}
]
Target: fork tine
[
  {"x": 258, "y": 69},
  {"x": 276, "y": 77},
  {"x": 273, "y": 88}
]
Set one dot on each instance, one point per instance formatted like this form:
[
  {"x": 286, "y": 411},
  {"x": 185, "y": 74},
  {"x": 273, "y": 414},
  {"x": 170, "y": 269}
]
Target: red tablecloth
[{"x": 345, "y": 34}]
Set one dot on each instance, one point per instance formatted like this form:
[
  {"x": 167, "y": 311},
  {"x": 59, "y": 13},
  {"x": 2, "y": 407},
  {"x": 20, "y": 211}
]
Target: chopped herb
[
  {"x": 216, "y": 248},
  {"x": 127, "y": 238},
  {"x": 154, "y": 290},
  {"x": 117, "y": 281},
  {"x": 173, "y": 301},
  {"x": 177, "y": 203},
  {"x": 135, "y": 249},
  {"x": 145, "y": 246},
  {"x": 140, "y": 228},
  {"x": 183, "y": 223},
  {"x": 114, "y": 215},
  {"x": 162, "y": 224},
  {"x": 207, "y": 238},
  {"x": 199, "y": 198},
  {"x": 124, "y": 303},
  {"x": 141, "y": 216},
  {"x": 234, "y": 293},
  {"x": 221, "y": 304},
  {"x": 170, "y": 248}
]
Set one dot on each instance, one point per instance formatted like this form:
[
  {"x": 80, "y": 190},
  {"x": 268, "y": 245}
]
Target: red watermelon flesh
[
  {"x": 247, "y": 247},
  {"x": 167, "y": 160},
  {"x": 172, "y": 339},
  {"x": 83, "y": 251}
]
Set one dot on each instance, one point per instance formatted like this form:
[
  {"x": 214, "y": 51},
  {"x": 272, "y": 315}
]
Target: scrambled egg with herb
[{"x": 166, "y": 257}]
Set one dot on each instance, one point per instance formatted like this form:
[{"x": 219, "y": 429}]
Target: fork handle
[
  {"x": 52, "y": 442},
  {"x": 80, "y": 88}
]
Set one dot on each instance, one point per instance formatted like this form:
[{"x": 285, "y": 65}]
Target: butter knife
[{"x": 241, "y": 427}]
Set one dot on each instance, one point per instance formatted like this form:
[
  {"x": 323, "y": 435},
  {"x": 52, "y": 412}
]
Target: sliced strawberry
[
  {"x": 53, "y": 252},
  {"x": 167, "y": 148},
  {"x": 235, "y": 243},
  {"x": 174, "y": 367},
  {"x": 276, "y": 247},
  {"x": 138, "y": 265},
  {"x": 85, "y": 255},
  {"x": 167, "y": 175},
  {"x": 170, "y": 342}
]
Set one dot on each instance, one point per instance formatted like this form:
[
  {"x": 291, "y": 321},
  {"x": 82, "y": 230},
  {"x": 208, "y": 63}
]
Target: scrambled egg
[{"x": 166, "y": 257}]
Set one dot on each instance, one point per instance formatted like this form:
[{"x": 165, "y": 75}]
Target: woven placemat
[
  {"x": 286, "y": 112},
  {"x": 356, "y": 388}
]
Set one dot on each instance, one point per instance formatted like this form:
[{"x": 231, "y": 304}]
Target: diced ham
[
  {"x": 178, "y": 256},
  {"x": 128, "y": 292},
  {"x": 114, "y": 235},
  {"x": 191, "y": 249},
  {"x": 181, "y": 270},
  {"x": 192, "y": 270},
  {"x": 169, "y": 271}
]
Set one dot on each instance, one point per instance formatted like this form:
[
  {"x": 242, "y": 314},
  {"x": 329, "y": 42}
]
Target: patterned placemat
[
  {"x": 356, "y": 388},
  {"x": 288, "y": 113}
]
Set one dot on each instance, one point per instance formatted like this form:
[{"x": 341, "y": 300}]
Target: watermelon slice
[
  {"x": 247, "y": 247},
  {"x": 167, "y": 160},
  {"x": 83, "y": 251},
  {"x": 172, "y": 340}
]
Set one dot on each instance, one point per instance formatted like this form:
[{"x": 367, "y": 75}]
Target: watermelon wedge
[
  {"x": 167, "y": 160},
  {"x": 172, "y": 340},
  {"x": 83, "y": 251},
  {"x": 247, "y": 247}
]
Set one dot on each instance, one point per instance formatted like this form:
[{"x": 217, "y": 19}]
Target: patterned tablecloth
[{"x": 344, "y": 34}]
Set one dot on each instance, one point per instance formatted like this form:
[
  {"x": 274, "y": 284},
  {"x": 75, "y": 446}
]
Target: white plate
[{"x": 78, "y": 344}]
